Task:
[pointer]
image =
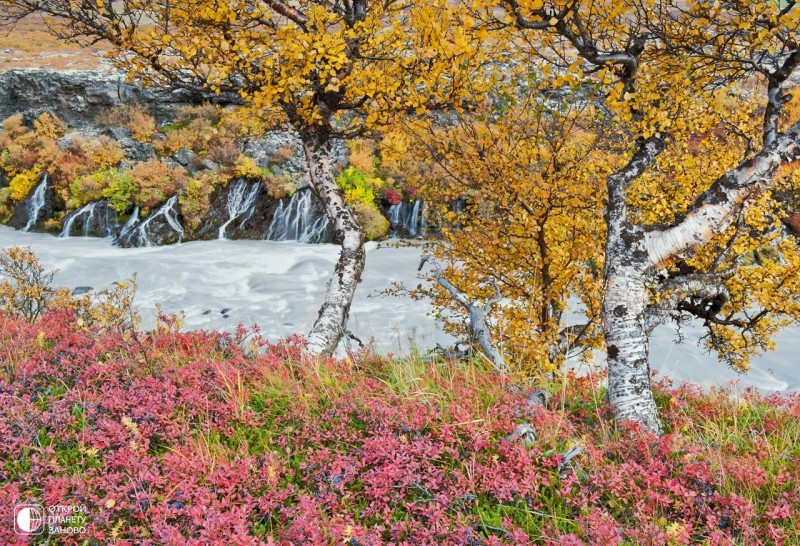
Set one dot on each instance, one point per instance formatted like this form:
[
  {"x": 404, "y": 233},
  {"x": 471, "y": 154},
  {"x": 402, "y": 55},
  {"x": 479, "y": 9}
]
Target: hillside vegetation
[{"x": 171, "y": 437}]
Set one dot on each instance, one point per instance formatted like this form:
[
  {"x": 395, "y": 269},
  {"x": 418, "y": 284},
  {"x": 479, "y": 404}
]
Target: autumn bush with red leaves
[{"x": 171, "y": 437}]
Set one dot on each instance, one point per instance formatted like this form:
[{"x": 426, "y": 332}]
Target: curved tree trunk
[
  {"x": 330, "y": 325},
  {"x": 626, "y": 298}
]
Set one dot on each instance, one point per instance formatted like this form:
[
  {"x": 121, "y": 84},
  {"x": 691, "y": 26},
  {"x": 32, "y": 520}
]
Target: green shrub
[
  {"x": 120, "y": 192},
  {"x": 195, "y": 201},
  {"x": 95, "y": 186},
  {"x": 358, "y": 186}
]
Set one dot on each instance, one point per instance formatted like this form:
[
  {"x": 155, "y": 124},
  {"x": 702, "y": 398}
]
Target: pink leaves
[{"x": 202, "y": 443}]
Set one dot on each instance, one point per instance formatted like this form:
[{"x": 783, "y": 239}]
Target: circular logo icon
[{"x": 29, "y": 519}]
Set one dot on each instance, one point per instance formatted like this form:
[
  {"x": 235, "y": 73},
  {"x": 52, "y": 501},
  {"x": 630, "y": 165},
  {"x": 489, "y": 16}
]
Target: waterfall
[
  {"x": 299, "y": 219},
  {"x": 90, "y": 217},
  {"x": 130, "y": 224},
  {"x": 408, "y": 218},
  {"x": 241, "y": 203},
  {"x": 36, "y": 202},
  {"x": 139, "y": 233}
]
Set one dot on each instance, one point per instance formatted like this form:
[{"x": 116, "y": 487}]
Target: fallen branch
[{"x": 478, "y": 328}]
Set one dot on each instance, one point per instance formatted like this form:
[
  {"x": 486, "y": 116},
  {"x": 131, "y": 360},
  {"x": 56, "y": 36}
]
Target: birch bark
[{"x": 331, "y": 324}]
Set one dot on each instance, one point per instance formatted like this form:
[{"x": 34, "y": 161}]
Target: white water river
[{"x": 279, "y": 286}]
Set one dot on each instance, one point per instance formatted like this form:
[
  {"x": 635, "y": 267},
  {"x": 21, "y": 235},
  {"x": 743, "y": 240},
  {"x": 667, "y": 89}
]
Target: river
[{"x": 279, "y": 286}]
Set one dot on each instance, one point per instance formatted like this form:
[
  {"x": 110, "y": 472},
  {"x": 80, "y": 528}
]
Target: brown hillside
[{"x": 29, "y": 45}]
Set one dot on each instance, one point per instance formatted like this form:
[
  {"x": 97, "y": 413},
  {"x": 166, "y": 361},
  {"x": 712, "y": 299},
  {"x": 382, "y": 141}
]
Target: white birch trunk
[
  {"x": 625, "y": 300},
  {"x": 634, "y": 253},
  {"x": 331, "y": 323},
  {"x": 627, "y": 344},
  {"x": 716, "y": 209}
]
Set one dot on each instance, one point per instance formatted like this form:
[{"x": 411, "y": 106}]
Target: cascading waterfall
[
  {"x": 129, "y": 226},
  {"x": 408, "y": 218},
  {"x": 169, "y": 212},
  {"x": 36, "y": 203},
  {"x": 242, "y": 199},
  {"x": 298, "y": 219},
  {"x": 91, "y": 217}
]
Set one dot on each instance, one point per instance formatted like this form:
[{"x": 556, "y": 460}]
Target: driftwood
[{"x": 478, "y": 328}]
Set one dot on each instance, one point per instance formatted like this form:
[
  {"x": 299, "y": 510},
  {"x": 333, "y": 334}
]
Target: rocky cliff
[
  {"x": 237, "y": 209},
  {"x": 79, "y": 96}
]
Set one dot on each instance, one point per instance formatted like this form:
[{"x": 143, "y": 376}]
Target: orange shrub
[
  {"x": 279, "y": 186},
  {"x": 133, "y": 116},
  {"x": 13, "y": 128},
  {"x": 155, "y": 181},
  {"x": 25, "y": 147}
]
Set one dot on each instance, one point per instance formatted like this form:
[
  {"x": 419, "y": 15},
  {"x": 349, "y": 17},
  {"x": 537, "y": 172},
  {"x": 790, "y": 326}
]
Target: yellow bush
[
  {"x": 103, "y": 152},
  {"x": 193, "y": 135},
  {"x": 26, "y": 291},
  {"x": 246, "y": 167},
  {"x": 142, "y": 125},
  {"x": 23, "y": 183},
  {"x": 25, "y": 286},
  {"x": 47, "y": 126}
]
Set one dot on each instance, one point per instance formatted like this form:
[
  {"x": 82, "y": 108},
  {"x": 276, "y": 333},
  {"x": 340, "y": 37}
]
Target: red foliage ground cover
[{"x": 202, "y": 438}]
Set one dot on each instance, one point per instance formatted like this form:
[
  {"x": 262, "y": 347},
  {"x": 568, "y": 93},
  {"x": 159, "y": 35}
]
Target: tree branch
[
  {"x": 479, "y": 326},
  {"x": 702, "y": 295},
  {"x": 716, "y": 208}
]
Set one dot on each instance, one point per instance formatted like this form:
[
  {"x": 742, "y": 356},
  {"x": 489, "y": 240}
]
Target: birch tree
[
  {"x": 528, "y": 237},
  {"x": 329, "y": 69},
  {"x": 685, "y": 81}
]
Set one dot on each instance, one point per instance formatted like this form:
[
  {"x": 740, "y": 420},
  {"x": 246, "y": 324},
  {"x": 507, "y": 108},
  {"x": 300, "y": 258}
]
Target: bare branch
[{"x": 479, "y": 326}]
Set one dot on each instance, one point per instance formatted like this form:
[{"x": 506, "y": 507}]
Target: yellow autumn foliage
[
  {"x": 531, "y": 227},
  {"x": 23, "y": 183}
]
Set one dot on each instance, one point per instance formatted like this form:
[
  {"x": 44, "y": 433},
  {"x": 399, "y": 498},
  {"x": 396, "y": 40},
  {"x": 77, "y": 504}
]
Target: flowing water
[
  {"x": 140, "y": 232},
  {"x": 36, "y": 203},
  {"x": 300, "y": 219},
  {"x": 130, "y": 225},
  {"x": 101, "y": 220},
  {"x": 408, "y": 218},
  {"x": 242, "y": 198},
  {"x": 279, "y": 286}
]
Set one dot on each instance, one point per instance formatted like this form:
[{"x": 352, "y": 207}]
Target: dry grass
[{"x": 30, "y": 45}]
